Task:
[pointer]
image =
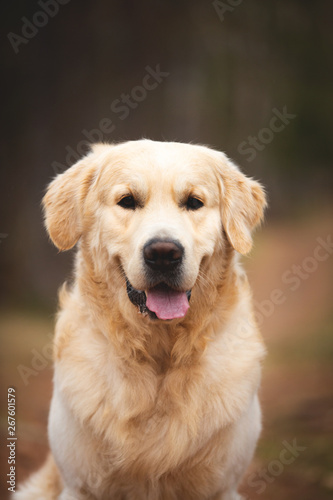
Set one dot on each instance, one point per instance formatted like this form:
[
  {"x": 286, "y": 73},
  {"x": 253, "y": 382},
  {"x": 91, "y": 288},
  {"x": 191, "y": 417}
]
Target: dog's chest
[{"x": 157, "y": 420}]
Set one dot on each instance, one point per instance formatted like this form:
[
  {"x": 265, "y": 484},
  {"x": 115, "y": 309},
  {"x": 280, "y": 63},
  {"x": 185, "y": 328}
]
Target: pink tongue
[{"x": 167, "y": 303}]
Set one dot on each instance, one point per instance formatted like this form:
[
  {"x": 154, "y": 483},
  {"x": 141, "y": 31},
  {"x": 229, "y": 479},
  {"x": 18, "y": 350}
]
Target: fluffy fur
[{"x": 148, "y": 409}]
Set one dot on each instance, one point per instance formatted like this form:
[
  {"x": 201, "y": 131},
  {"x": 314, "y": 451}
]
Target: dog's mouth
[{"x": 161, "y": 301}]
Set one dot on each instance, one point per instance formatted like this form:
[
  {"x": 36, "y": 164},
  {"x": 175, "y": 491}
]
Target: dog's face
[{"x": 156, "y": 211}]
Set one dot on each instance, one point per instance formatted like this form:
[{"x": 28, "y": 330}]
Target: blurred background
[{"x": 253, "y": 79}]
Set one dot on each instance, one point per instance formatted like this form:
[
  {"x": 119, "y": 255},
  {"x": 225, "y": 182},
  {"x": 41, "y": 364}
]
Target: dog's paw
[{"x": 233, "y": 495}]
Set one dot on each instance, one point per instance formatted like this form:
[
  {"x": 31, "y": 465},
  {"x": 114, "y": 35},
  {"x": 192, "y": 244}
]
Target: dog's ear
[
  {"x": 63, "y": 203},
  {"x": 243, "y": 203}
]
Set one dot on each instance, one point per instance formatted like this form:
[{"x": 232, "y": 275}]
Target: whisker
[{"x": 205, "y": 280}]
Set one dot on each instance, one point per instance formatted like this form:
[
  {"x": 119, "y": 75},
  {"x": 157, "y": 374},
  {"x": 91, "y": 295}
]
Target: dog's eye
[
  {"x": 127, "y": 202},
  {"x": 193, "y": 203}
]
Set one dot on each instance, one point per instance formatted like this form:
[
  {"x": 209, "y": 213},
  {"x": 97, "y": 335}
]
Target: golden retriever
[{"x": 157, "y": 354}]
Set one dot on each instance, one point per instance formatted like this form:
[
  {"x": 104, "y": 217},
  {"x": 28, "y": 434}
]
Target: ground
[{"x": 292, "y": 279}]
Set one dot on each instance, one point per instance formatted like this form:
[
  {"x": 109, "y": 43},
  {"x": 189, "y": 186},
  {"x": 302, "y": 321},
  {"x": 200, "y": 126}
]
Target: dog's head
[{"x": 154, "y": 211}]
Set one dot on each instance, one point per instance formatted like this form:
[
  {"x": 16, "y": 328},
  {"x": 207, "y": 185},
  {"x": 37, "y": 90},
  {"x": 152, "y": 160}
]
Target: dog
[{"x": 157, "y": 353}]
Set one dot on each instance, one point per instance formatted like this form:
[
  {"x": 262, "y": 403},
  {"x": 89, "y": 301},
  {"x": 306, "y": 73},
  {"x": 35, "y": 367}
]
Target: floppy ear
[
  {"x": 63, "y": 203},
  {"x": 243, "y": 205}
]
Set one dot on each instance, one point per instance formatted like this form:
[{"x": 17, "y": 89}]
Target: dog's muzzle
[{"x": 163, "y": 298}]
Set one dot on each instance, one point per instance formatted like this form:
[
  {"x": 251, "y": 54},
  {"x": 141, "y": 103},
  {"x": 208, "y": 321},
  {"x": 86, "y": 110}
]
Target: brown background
[{"x": 226, "y": 76}]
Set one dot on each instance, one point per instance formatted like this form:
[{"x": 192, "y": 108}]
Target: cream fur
[{"x": 144, "y": 409}]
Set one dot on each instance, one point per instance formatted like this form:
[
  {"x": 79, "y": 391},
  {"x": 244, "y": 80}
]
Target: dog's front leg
[
  {"x": 231, "y": 495},
  {"x": 68, "y": 445},
  {"x": 69, "y": 494}
]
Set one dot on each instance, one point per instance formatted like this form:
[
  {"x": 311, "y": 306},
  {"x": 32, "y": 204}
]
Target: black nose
[{"x": 163, "y": 255}]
